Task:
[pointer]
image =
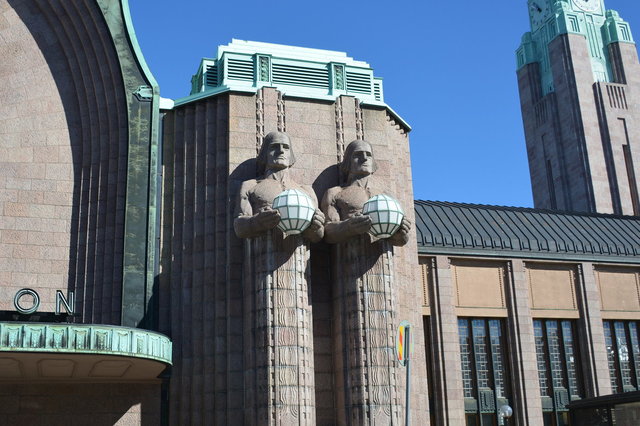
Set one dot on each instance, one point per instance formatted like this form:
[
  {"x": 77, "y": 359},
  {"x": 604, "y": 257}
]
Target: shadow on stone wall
[
  {"x": 80, "y": 404},
  {"x": 74, "y": 39}
]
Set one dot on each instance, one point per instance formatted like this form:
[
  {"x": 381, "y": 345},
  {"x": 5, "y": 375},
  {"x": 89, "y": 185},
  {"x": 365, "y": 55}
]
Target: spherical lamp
[
  {"x": 296, "y": 211},
  {"x": 386, "y": 215}
]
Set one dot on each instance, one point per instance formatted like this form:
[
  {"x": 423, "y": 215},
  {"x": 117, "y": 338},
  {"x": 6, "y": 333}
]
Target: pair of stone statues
[
  {"x": 278, "y": 330},
  {"x": 341, "y": 206}
]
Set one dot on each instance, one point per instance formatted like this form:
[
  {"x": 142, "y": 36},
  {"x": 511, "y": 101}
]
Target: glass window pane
[
  {"x": 495, "y": 333},
  {"x": 635, "y": 347},
  {"x": 555, "y": 356},
  {"x": 570, "y": 356},
  {"x": 484, "y": 368},
  {"x": 465, "y": 359},
  {"x": 481, "y": 353},
  {"x": 611, "y": 356},
  {"x": 624, "y": 360},
  {"x": 541, "y": 358}
]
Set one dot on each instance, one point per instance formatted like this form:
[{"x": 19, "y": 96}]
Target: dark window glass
[
  {"x": 623, "y": 352},
  {"x": 558, "y": 368},
  {"x": 483, "y": 363}
]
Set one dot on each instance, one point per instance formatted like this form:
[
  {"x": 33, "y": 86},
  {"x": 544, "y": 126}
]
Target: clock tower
[{"x": 579, "y": 82}]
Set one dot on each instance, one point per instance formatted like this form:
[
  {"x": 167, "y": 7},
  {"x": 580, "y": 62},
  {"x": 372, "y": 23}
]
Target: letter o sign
[{"x": 35, "y": 302}]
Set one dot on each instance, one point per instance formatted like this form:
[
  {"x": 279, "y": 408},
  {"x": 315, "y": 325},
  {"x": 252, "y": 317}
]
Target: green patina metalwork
[
  {"x": 84, "y": 339},
  {"x": 139, "y": 262},
  {"x": 551, "y": 18},
  {"x": 300, "y": 72}
]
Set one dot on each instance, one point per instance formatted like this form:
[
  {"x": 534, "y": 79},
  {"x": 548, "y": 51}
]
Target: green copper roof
[
  {"x": 295, "y": 71},
  {"x": 551, "y": 18}
]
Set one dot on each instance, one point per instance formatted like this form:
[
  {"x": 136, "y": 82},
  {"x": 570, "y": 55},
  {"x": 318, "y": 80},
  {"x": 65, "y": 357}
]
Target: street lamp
[
  {"x": 385, "y": 213},
  {"x": 296, "y": 211},
  {"x": 505, "y": 412}
]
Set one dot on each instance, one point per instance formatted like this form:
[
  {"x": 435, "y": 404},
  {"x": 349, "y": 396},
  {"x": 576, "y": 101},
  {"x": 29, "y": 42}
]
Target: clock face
[
  {"x": 588, "y": 5},
  {"x": 539, "y": 12}
]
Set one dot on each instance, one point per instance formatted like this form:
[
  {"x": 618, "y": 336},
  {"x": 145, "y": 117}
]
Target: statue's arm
[
  {"x": 247, "y": 224},
  {"x": 336, "y": 230},
  {"x": 315, "y": 231}
]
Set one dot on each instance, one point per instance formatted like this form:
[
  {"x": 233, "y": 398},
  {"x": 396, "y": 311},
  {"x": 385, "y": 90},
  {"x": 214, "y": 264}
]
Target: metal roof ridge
[{"x": 455, "y": 204}]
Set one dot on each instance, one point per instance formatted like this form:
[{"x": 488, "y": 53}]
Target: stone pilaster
[
  {"x": 448, "y": 398},
  {"x": 526, "y": 402},
  {"x": 593, "y": 350}
]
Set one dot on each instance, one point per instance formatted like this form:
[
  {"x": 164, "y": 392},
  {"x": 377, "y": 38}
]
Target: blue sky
[{"x": 448, "y": 69}]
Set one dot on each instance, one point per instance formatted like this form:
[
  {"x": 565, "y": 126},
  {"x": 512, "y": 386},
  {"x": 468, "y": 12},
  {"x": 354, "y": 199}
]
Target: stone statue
[
  {"x": 343, "y": 204},
  {"x": 364, "y": 296},
  {"x": 254, "y": 213},
  {"x": 278, "y": 329}
]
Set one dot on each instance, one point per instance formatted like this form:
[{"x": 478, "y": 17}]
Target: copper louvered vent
[
  {"x": 240, "y": 69},
  {"x": 358, "y": 83},
  {"x": 211, "y": 76},
  {"x": 301, "y": 76}
]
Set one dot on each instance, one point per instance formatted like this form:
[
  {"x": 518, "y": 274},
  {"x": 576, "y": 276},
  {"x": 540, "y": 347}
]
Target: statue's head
[
  {"x": 358, "y": 160},
  {"x": 276, "y": 153}
]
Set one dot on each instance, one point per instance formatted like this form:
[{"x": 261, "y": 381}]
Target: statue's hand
[
  {"x": 317, "y": 221},
  {"x": 267, "y": 219},
  {"x": 401, "y": 236},
  {"x": 405, "y": 226},
  {"x": 357, "y": 225}
]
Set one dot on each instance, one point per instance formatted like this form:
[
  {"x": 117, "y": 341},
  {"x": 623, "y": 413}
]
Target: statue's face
[
  {"x": 279, "y": 153},
  {"x": 361, "y": 161}
]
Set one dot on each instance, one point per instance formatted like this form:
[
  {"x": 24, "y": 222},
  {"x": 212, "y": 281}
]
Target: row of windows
[{"x": 485, "y": 373}]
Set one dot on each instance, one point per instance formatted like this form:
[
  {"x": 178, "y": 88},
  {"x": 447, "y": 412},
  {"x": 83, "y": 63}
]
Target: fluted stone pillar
[
  {"x": 279, "y": 378},
  {"x": 365, "y": 309}
]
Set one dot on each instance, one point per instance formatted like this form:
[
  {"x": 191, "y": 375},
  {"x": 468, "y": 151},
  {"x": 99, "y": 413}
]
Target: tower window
[{"x": 484, "y": 370}]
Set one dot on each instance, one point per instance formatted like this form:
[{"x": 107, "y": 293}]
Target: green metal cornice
[
  {"x": 84, "y": 339},
  {"x": 142, "y": 94},
  {"x": 598, "y": 27},
  {"x": 616, "y": 29},
  {"x": 295, "y": 71}
]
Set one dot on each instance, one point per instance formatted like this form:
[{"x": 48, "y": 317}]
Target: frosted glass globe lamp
[
  {"x": 385, "y": 213},
  {"x": 296, "y": 211}
]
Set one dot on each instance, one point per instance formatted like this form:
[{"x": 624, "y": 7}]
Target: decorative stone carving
[
  {"x": 279, "y": 366},
  {"x": 365, "y": 301}
]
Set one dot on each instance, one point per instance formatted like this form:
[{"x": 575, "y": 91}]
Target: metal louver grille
[
  {"x": 238, "y": 69},
  {"x": 377, "y": 90},
  {"x": 358, "y": 83},
  {"x": 211, "y": 76},
  {"x": 300, "y": 76}
]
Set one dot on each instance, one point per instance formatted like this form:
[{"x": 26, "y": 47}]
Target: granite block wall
[{"x": 101, "y": 404}]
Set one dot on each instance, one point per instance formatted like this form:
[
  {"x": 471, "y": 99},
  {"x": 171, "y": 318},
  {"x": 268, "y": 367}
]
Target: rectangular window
[
  {"x": 623, "y": 352},
  {"x": 558, "y": 369},
  {"x": 483, "y": 362}
]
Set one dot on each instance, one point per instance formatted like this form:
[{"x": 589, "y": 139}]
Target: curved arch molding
[
  {"x": 111, "y": 104},
  {"x": 36, "y": 351}
]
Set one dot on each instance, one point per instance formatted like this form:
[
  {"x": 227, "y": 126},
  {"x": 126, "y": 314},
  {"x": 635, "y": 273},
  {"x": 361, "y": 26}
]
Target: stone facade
[
  {"x": 209, "y": 150},
  {"x": 588, "y": 290}
]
